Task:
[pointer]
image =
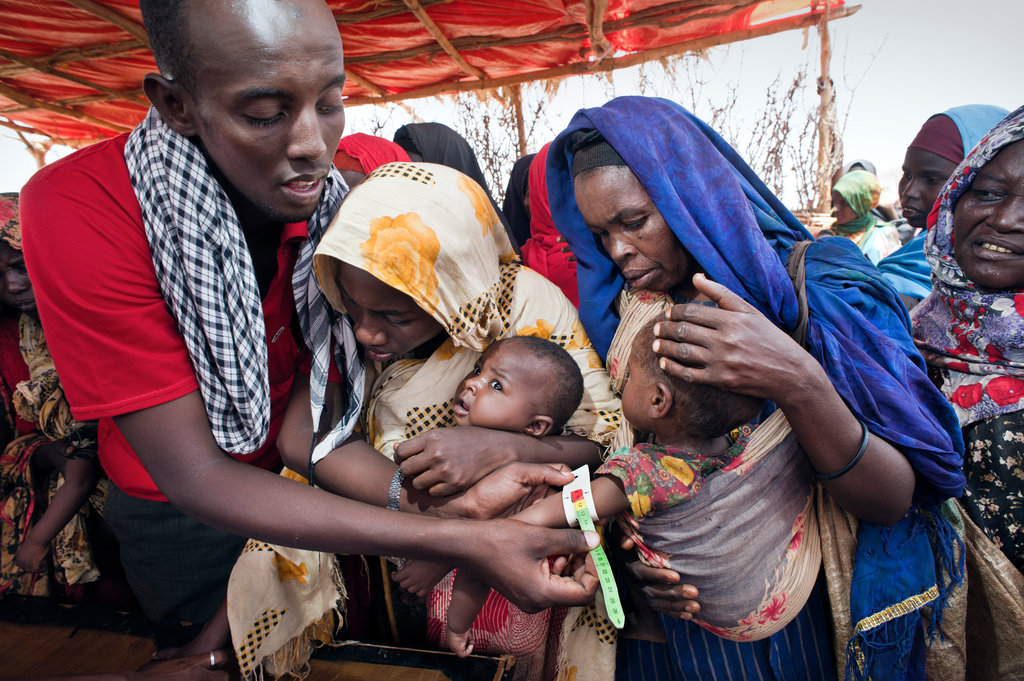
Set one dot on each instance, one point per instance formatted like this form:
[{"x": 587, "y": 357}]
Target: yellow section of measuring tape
[{"x": 604, "y": 569}]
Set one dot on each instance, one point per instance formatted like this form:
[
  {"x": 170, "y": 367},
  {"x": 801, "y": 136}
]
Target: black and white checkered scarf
[{"x": 206, "y": 276}]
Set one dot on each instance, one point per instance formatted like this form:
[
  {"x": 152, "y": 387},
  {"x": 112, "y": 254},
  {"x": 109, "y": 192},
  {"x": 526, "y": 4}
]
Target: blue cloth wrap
[{"x": 740, "y": 234}]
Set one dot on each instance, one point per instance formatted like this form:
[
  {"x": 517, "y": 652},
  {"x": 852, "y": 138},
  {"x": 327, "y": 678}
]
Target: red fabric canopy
[{"x": 72, "y": 69}]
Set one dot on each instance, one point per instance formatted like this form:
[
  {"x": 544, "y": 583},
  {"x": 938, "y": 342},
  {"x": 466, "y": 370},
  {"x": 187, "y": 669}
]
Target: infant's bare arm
[{"x": 609, "y": 499}]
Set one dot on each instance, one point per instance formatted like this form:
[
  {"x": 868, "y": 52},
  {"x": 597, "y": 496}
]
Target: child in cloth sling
[{"x": 751, "y": 586}]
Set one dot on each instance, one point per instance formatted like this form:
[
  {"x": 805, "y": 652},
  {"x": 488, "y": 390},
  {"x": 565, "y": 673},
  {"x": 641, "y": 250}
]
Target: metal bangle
[
  {"x": 856, "y": 457},
  {"x": 395, "y": 490}
]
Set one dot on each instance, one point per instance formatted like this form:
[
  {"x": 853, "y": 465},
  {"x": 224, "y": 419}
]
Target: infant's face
[{"x": 497, "y": 393}]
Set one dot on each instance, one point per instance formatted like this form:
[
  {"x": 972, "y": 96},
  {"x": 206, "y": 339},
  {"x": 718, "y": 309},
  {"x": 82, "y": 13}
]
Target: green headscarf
[{"x": 861, "y": 190}]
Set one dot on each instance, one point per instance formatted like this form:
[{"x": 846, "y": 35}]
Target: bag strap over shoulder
[{"x": 797, "y": 270}]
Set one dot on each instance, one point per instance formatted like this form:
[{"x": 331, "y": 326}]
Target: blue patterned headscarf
[{"x": 740, "y": 234}]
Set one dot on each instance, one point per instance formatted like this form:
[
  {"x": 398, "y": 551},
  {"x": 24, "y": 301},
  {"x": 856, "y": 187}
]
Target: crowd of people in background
[{"x": 260, "y": 332}]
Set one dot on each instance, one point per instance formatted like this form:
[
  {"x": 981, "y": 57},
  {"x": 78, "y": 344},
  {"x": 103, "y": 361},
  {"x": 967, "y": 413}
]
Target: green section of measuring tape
[{"x": 604, "y": 570}]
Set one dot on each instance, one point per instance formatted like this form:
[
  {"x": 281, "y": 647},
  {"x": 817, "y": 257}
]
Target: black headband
[{"x": 591, "y": 150}]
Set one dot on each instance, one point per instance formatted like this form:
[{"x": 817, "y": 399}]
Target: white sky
[{"x": 895, "y": 63}]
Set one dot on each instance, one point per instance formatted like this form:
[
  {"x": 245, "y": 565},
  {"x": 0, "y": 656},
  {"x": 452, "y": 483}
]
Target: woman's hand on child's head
[
  {"x": 732, "y": 347},
  {"x": 446, "y": 461}
]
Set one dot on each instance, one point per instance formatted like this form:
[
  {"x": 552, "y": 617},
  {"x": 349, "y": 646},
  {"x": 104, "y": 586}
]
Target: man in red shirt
[{"x": 163, "y": 268}]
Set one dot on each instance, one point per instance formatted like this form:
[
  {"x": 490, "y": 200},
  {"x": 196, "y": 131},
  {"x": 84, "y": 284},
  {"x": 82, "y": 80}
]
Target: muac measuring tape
[{"x": 578, "y": 504}]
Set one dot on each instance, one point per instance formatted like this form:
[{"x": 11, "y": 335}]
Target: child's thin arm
[
  {"x": 609, "y": 499},
  {"x": 80, "y": 477}
]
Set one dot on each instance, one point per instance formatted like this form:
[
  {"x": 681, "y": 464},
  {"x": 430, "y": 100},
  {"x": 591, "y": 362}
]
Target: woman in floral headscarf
[
  {"x": 421, "y": 266},
  {"x": 853, "y": 197},
  {"x": 41, "y": 436},
  {"x": 971, "y": 327}
]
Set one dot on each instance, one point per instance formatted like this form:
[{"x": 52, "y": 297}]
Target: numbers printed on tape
[{"x": 604, "y": 569}]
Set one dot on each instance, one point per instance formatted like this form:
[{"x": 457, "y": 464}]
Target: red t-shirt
[{"x": 115, "y": 345}]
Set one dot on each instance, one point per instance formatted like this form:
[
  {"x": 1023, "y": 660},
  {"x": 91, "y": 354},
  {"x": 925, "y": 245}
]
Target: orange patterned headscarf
[{"x": 10, "y": 222}]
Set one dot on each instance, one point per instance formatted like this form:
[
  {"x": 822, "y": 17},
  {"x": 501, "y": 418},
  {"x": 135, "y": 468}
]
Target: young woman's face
[
  {"x": 988, "y": 223},
  {"x": 617, "y": 208},
  {"x": 924, "y": 174},
  {"x": 387, "y": 323}
]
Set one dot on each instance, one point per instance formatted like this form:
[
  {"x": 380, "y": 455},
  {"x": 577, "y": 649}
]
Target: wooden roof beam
[
  {"x": 18, "y": 127},
  {"x": 581, "y": 68},
  {"x": 442, "y": 39},
  {"x": 671, "y": 14},
  {"x": 43, "y": 67},
  {"x": 389, "y": 10},
  {"x": 71, "y": 102},
  {"x": 25, "y": 100},
  {"x": 363, "y": 82},
  {"x": 111, "y": 17},
  {"x": 77, "y": 54}
]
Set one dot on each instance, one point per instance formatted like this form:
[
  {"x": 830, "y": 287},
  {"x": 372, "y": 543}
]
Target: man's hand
[
  {"x": 513, "y": 560},
  {"x": 445, "y": 461},
  {"x": 504, "y": 492}
]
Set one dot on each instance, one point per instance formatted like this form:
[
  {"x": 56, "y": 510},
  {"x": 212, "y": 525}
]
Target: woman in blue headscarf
[
  {"x": 933, "y": 155},
  {"x": 655, "y": 204}
]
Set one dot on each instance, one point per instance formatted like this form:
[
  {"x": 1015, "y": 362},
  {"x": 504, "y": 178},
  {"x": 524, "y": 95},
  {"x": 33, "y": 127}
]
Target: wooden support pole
[
  {"x": 442, "y": 39},
  {"x": 110, "y": 16},
  {"x": 517, "y": 107},
  {"x": 826, "y": 115},
  {"x": 610, "y": 64},
  {"x": 599, "y": 45}
]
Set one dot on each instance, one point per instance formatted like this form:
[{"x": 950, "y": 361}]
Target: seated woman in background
[
  {"x": 939, "y": 147},
  {"x": 853, "y": 197},
  {"x": 665, "y": 218}
]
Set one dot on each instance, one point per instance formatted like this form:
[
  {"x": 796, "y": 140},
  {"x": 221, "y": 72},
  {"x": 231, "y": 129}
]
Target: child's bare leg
[
  {"x": 418, "y": 577},
  {"x": 468, "y": 597}
]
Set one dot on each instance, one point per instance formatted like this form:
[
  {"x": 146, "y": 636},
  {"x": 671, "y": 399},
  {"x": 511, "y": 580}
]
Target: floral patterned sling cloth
[{"x": 747, "y": 535}]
